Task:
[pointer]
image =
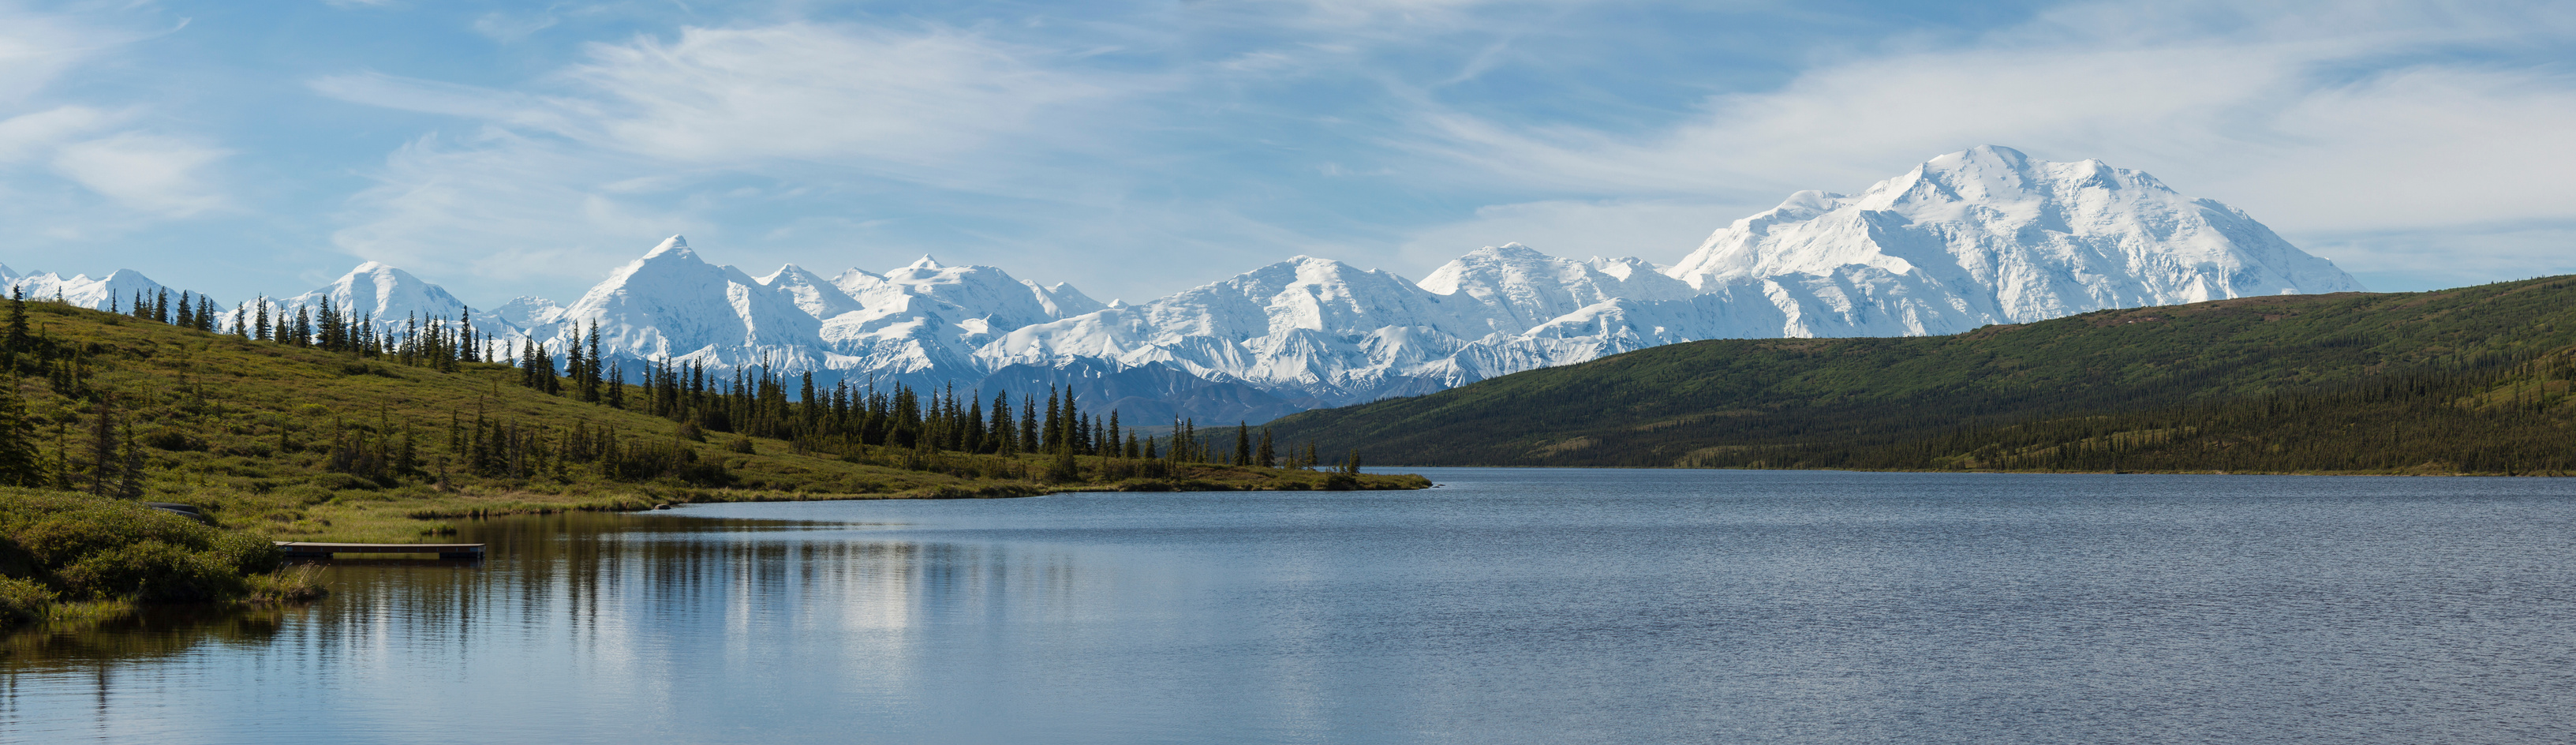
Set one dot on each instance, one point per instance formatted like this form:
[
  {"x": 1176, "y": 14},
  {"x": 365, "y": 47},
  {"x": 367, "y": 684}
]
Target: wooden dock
[{"x": 303, "y": 550}]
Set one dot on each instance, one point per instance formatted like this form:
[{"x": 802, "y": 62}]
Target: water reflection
[{"x": 1514, "y": 606}]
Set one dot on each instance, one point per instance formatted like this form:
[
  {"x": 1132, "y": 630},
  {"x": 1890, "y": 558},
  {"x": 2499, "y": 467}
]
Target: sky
[{"x": 1135, "y": 149}]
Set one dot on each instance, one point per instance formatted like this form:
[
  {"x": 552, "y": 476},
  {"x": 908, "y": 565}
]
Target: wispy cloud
[
  {"x": 133, "y": 173},
  {"x": 1401, "y": 133},
  {"x": 154, "y": 174},
  {"x": 2320, "y": 119}
]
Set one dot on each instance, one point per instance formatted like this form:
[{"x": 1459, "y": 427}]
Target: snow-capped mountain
[
  {"x": 1967, "y": 239},
  {"x": 1990, "y": 235},
  {"x": 116, "y": 290},
  {"x": 1982, "y": 236},
  {"x": 391, "y": 297}
]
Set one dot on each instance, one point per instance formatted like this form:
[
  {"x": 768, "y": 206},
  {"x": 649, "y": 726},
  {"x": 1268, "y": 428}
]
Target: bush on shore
[{"x": 65, "y": 547}]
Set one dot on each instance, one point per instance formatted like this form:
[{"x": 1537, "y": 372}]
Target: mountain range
[{"x": 1968, "y": 239}]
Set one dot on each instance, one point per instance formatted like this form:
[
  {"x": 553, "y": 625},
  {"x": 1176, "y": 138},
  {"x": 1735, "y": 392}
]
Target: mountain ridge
[
  {"x": 1973, "y": 238},
  {"x": 2464, "y": 380}
]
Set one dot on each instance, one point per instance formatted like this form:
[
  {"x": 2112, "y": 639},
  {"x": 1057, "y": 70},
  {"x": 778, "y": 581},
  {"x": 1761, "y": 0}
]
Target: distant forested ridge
[{"x": 2470, "y": 380}]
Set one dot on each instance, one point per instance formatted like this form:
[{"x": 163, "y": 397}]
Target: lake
[{"x": 1508, "y": 606}]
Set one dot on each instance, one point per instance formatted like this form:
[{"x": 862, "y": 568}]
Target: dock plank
[{"x": 312, "y": 550}]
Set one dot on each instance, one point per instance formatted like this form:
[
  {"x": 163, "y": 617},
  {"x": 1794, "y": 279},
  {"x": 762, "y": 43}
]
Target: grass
[
  {"x": 256, "y": 433},
  {"x": 68, "y": 557},
  {"x": 2470, "y": 380}
]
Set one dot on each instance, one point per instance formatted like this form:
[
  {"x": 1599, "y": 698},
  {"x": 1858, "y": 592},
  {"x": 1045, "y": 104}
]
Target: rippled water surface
[{"x": 1510, "y": 606}]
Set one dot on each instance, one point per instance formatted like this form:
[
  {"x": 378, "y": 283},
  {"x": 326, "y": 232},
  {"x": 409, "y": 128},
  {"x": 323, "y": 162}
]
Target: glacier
[{"x": 1982, "y": 236}]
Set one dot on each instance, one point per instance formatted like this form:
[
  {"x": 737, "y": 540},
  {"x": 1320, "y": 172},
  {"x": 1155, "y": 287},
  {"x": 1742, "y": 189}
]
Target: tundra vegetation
[
  {"x": 326, "y": 427},
  {"x": 2474, "y": 380}
]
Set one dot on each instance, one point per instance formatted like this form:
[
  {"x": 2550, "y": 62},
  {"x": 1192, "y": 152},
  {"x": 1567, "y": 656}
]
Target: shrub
[
  {"x": 173, "y": 440},
  {"x": 151, "y": 571},
  {"x": 742, "y": 445},
  {"x": 64, "y": 537},
  {"x": 306, "y": 494},
  {"x": 23, "y": 601},
  {"x": 248, "y": 554}
]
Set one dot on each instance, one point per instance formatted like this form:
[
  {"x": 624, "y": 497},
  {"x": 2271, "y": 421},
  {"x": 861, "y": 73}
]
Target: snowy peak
[
  {"x": 810, "y": 292},
  {"x": 1991, "y": 235},
  {"x": 670, "y": 303},
  {"x": 387, "y": 294},
  {"x": 988, "y": 293},
  {"x": 526, "y": 312},
  {"x": 1520, "y": 288},
  {"x": 674, "y": 246},
  {"x": 117, "y": 290}
]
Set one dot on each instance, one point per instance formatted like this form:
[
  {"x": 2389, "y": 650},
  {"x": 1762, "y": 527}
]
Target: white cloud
[
  {"x": 150, "y": 173},
  {"x": 1649, "y": 229},
  {"x": 36, "y": 48},
  {"x": 505, "y": 209},
  {"x": 500, "y": 26},
  {"x": 740, "y": 97},
  {"x": 28, "y": 136},
  {"x": 2317, "y": 119}
]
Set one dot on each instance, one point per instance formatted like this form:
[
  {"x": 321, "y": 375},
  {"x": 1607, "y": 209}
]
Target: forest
[{"x": 2473, "y": 380}]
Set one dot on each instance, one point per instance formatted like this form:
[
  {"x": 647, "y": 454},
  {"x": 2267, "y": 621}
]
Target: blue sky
[{"x": 1140, "y": 148}]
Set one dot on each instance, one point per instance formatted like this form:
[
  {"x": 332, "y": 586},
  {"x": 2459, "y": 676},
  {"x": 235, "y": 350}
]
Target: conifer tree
[
  {"x": 1266, "y": 456},
  {"x": 17, "y": 339},
  {"x": 129, "y": 483},
  {"x": 102, "y": 447},
  {"x": 1054, "y": 428},
  {"x": 20, "y": 463},
  {"x": 590, "y": 373},
  {"x": 1004, "y": 441},
  {"x": 259, "y": 320},
  {"x": 1029, "y": 438},
  {"x": 1064, "y": 469}
]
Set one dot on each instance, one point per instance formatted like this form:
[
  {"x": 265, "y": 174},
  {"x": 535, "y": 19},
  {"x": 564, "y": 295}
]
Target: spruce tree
[
  {"x": 102, "y": 447},
  {"x": 20, "y": 463},
  {"x": 18, "y": 339},
  {"x": 129, "y": 483},
  {"x": 590, "y": 377},
  {"x": 1029, "y": 438},
  {"x": 1054, "y": 427},
  {"x": 1004, "y": 440},
  {"x": 1064, "y": 469},
  {"x": 1266, "y": 456},
  {"x": 1243, "y": 443}
]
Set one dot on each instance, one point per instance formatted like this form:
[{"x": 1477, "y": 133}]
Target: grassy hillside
[
  {"x": 379, "y": 441},
  {"x": 2466, "y": 380}
]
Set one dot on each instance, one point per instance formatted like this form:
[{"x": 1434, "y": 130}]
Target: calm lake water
[{"x": 1510, "y": 606}]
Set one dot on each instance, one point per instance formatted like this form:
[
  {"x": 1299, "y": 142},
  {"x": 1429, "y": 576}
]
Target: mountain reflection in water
[{"x": 1512, "y": 606}]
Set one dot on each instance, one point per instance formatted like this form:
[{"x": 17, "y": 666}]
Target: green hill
[
  {"x": 356, "y": 435},
  {"x": 2472, "y": 380}
]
